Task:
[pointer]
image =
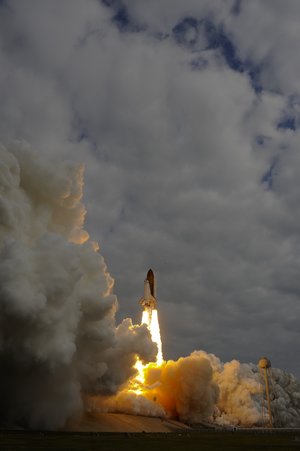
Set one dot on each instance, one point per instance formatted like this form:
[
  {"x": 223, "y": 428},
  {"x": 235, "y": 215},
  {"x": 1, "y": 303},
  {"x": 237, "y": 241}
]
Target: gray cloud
[{"x": 174, "y": 165}]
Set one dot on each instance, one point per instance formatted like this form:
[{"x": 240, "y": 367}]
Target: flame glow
[{"x": 150, "y": 318}]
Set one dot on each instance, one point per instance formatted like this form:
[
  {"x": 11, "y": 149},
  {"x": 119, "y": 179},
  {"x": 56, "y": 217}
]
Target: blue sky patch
[
  {"x": 195, "y": 35},
  {"x": 268, "y": 177},
  {"x": 189, "y": 30},
  {"x": 236, "y": 9},
  {"x": 261, "y": 139},
  {"x": 287, "y": 123},
  {"x": 291, "y": 115},
  {"x": 121, "y": 17}
]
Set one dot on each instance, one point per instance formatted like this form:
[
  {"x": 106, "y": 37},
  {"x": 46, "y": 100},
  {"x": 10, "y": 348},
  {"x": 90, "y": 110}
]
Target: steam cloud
[
  {"x": 59, "y": 343},
  {"x": 58, "y": 337},
  {"x": 201, "y": 388}
]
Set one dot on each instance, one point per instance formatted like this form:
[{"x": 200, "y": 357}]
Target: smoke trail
[{"x": 58, "y": 337}]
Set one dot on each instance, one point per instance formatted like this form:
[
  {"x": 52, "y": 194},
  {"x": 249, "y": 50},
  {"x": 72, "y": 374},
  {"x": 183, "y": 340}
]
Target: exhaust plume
[{"x": 201, "y": 388}]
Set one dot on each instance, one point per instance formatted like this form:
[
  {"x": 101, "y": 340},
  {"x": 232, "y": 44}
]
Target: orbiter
[{"x": 149, "y": 299}]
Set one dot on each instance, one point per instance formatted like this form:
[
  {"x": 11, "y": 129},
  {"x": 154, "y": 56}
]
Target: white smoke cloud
[
  {"x": 58, "y": 337},
  {"x": 201, "y": 388},
  {"x": 242, "y": 392}
]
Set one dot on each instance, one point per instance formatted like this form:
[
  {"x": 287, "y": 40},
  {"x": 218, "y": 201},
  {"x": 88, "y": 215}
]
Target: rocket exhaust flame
[
  {"x": 150, "y": 318},
  {"x": 150, "y": 315}
]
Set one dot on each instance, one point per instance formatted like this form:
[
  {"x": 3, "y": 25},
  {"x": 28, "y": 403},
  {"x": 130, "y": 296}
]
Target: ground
[
  {"x": 175, "y": 441},
  {"x": 110, "y": 432}
]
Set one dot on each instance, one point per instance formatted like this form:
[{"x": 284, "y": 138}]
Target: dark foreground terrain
[{"x": 192, "y": 440}]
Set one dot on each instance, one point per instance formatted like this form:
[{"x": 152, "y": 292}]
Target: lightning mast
[{"x": 265, "y": 370}]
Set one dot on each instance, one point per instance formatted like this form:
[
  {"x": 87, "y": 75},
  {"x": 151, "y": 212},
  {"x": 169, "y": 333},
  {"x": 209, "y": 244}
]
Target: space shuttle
[{"x": 148, "y": 301}]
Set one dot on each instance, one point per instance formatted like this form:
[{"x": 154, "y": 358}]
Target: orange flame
[{"x": 150, "y": 318}]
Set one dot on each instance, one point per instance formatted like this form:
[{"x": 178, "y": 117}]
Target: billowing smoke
[
  {"x": 59, "y": 343},
  {"x": 200, "y": 388},
  {"x": 242, "y": 392},
  {"x": 58, "y": 337}
]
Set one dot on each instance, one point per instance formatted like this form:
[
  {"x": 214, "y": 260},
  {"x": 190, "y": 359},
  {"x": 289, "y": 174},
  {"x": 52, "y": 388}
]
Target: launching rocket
[
  {"x": 150, "y": 314},
  {"x": 148, "y": 301}
]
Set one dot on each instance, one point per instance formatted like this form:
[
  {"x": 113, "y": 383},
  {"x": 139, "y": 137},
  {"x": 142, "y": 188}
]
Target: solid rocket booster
[{"x": 149, "y": 299}]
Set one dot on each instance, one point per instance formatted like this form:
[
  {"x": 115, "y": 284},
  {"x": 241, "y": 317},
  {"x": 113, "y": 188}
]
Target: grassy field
[{"x": 202, "y": 440}]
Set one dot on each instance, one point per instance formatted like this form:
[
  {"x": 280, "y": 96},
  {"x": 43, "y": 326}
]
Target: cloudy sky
[{"x": 186, "y": 115}]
